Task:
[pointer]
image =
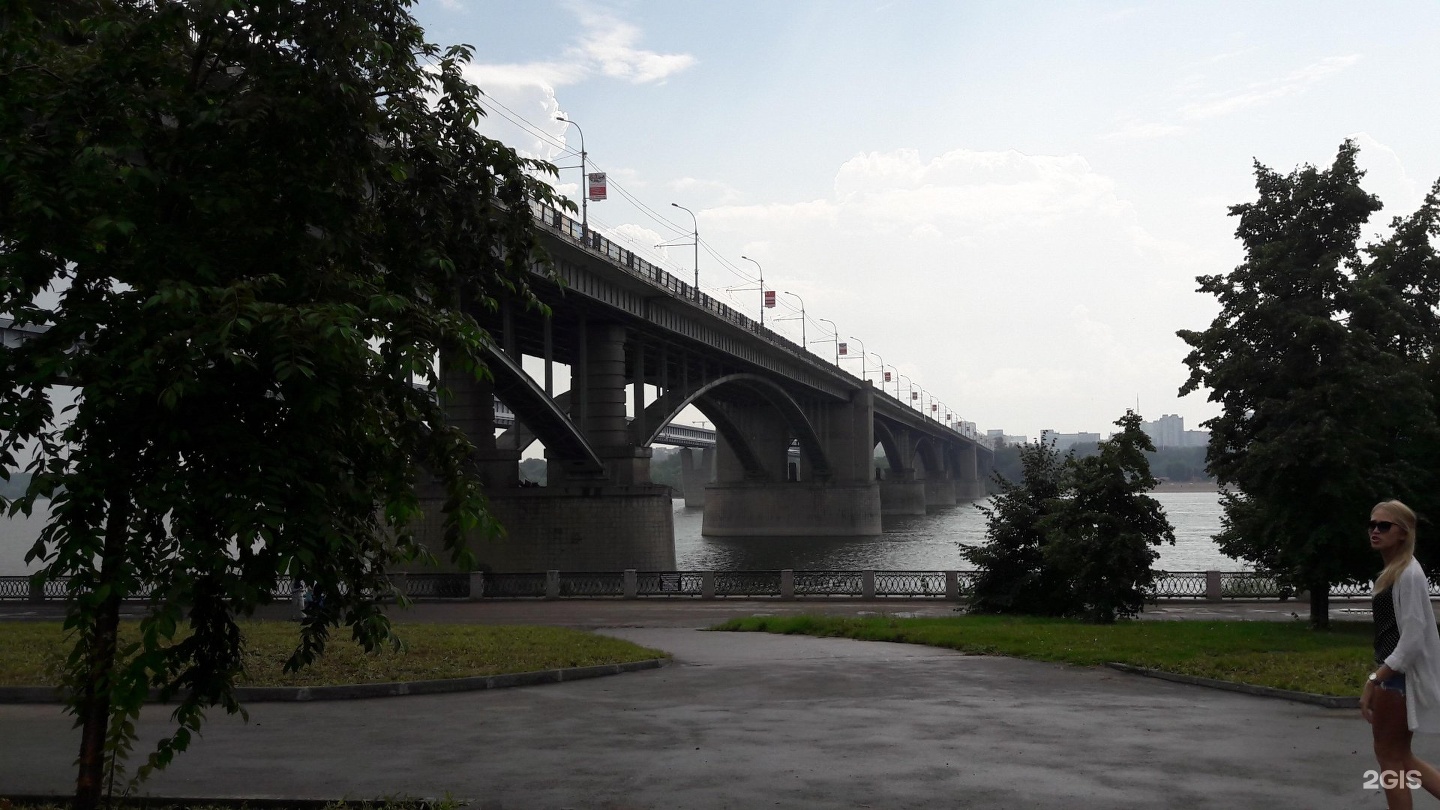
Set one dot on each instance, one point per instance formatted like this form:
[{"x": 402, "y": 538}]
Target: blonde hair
[{"x": 1405, "y": 516}]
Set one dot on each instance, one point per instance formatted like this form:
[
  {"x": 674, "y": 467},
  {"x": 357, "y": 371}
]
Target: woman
[{"x": 1402, "y": 695}]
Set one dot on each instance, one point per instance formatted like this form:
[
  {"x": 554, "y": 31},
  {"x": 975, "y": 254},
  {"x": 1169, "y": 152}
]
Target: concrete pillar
[
  {"x": 787, "y": 584},
  {"x": 843, "y": 500},
  {"x": 1212, "y": 586},
  {"x": 477, "y": 585},
  {"x": 968, "y": 486},
  {"x": 707, "y": 585},
  {"x": 632, "y": 584},
  {"x": 952, "y": 586},
  {"x": 552, "y": 584},
  {"x": 902, "y": 497},
  {"x": 939, "y": 493},
  {"x": 867, "y": 584},
  {"x": 470, "y": 406},
  {"x": 696, "y": 475},
  {"x": 37, "y": 591}
]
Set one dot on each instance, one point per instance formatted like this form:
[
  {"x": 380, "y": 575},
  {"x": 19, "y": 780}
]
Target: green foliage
[
  {"x": 1100, "y": 537},
  {"x": 249, "y": 228},
  {"x": 1324, "y": 367},
  {"x": 1010, "y": 571},
  {"x": 1282, "y": 655},
  {"x": 1076, "y": 537}
]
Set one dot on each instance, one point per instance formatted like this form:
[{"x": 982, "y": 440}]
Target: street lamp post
[
  {"x": 584, "y": 180},
  {"x": 910, "y": 386},
  {"x": 696, "y": 223},
  {"x": 802, "y": 319},
  {"x": 835, "y": 337},
  {"x": 882, "y": 370},
  {"x": 864, "y": 375},
  {"x": 762, "y": 287}
]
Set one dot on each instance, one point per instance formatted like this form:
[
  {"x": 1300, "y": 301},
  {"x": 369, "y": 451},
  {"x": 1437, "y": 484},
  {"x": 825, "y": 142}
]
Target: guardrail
[{"x": 1211, "y": 586}]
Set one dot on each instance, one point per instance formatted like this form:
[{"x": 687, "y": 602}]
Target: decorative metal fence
[{"x": 744, "y": 584}]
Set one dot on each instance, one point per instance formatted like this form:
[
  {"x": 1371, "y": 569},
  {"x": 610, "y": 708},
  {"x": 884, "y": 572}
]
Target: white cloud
[
  {"x": 1260, "y": 93},
  {"x": 606, "y": 46},
  {"x": 609, "y": 45}
]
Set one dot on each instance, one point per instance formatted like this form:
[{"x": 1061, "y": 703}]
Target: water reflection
[{"x": 927, "y": 542}]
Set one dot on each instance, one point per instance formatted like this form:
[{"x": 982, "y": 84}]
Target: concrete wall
[
  {"x": 902, "y": 497},
  {"x": 801, "y": 509},
  {"x": 572, "y": 529}
]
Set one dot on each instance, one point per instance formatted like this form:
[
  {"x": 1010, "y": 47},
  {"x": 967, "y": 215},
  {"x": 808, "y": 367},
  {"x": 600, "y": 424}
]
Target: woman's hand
[{"x": 1367, "y": 693}]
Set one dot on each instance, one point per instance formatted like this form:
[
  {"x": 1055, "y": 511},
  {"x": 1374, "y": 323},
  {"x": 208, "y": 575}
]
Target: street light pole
[
  {"x": 834, "y": 337},
  {"x": 802, "y": 319},
  {"x": 696, "y": 222},
  {"x": 762, "y": 287},
  {"x": 882, "y": 370},
  {"x": 910, "y": 387},
  {"x": 864, "y": 375},
  {"x": 584, "y": 181}
]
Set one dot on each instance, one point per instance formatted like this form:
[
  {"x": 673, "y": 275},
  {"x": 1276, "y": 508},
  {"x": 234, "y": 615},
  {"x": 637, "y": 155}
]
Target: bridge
[{"x": 599, "y": 379}]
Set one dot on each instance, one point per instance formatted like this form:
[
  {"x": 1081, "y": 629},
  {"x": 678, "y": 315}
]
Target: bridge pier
[
  {"x": 905, "y": 496},
  {"x": 753, "y": 494},
  {"x": 695, "y": 477},
  {"x": 939, "y": 493},
  {"x": 800, "y": 509}
]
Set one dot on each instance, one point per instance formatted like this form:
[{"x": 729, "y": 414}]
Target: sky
[{"x": 1008, "y": 203}]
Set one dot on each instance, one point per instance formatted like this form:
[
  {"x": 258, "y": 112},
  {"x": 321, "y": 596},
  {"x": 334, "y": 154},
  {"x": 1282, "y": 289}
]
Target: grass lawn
[
  {"x": 1285, "y": 655},
  {"x": 30, "y": 651}
]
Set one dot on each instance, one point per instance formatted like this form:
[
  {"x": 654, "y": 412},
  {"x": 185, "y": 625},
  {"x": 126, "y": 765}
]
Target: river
[{"x": 918, "y": 543}]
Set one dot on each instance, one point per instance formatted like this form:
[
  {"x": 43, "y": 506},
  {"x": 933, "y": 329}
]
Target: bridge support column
[
  {"x": 696, "y": 476},
  {"x": 840, "y": 501},
  {"x": 902, "y": 496},
  {"x": 939, "y": 492},
  {"x": 970, "y": 486}
]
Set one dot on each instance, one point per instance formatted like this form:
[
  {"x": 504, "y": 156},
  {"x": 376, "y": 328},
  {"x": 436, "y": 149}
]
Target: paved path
[{"x": 752, "y": 720}]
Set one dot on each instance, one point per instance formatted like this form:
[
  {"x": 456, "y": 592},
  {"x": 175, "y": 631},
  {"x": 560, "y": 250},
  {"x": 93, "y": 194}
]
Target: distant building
[
  {"x": 1169, "y": 431},
  {"x": 999, "y": 438},
  {"x": 1065, "y": 441}
]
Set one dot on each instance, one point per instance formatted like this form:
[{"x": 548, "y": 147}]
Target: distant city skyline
[{"x": 1008, "y": 203}]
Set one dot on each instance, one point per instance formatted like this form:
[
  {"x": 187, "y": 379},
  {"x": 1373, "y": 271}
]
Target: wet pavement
[{"x": 743, "y": 720}]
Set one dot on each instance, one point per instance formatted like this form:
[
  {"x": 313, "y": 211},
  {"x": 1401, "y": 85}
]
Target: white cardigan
[{"x": 1418, "y": 652}]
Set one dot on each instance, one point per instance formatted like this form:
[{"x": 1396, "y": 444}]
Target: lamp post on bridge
[
  {"x": 695, "y": 222},
  {"x": 802, "y": 319},
  {"x": 864, "y": 375},
  {"x": 910, "y": 387},
  {"x": 834, "y": 337},
  {"x": 584, "y": 180},
  {"x": 882, "y": 370},
  {"x": 762, "y": 287}
]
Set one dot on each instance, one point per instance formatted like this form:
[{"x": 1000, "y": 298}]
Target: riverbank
[{"x": 1187, "y": 486}]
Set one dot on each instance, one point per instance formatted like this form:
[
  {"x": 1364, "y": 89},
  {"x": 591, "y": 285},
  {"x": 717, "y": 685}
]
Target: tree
[
  {"x": 1010, "y": 571},
  {"x": 1100, "y": 537},
  {"x": 1316, "y": 412},
  {"x": 250, "y": 228}
]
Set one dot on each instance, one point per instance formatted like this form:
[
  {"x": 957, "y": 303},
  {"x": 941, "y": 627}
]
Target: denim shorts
[{"x": 1395, "y": 683}]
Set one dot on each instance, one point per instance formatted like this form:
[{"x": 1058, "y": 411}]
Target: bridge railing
[
  {"x": 785, "y": 584},
  {"x": 555, "y": 220}
]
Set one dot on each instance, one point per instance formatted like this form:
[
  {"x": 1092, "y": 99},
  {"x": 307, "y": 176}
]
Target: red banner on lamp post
[
  {"x": 597, "y": 186},
  {"x": 844, "y": 349},
  {"x": 887, "y": 376},
  {"x": 769, "y": 299}
]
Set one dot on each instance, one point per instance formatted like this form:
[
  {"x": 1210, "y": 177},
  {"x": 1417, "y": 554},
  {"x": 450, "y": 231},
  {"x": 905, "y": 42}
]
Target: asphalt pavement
[{"x": 744, "y": 720}]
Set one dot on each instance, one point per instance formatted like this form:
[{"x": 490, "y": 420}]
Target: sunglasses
[{"x": 1382, "y": 526}]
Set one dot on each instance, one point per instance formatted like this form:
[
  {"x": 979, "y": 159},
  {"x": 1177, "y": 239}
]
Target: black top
[{"x": 1387, "y": 631}]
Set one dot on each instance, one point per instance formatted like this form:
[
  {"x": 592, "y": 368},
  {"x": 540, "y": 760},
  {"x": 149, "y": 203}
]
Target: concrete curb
[
  {"x": 361, "y": 691},
  {"x": 1328, "y": 701}
]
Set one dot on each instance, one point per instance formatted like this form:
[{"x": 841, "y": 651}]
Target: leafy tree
[
  {"x": 257, "y": 224},
  {"x": 1317, "y": 411},
  {"x": 1010, "y": 571},
  {"x": 1100, "y": 537}
]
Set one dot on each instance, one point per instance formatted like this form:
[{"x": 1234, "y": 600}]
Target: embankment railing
[{"x": 1212, "y": 586}]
